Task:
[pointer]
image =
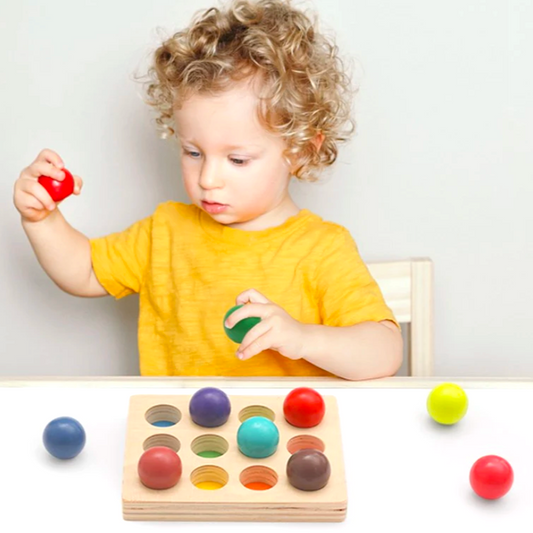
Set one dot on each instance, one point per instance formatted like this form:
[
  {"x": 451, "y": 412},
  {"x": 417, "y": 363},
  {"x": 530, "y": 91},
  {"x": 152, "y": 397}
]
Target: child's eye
[{"x": 195, "y": 155}]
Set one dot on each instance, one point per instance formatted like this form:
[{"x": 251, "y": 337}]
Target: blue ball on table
[
  {"x": 64, "y": 437},
  {"x": 210, "y": 407},
  {"x": 258, "y": 437}
]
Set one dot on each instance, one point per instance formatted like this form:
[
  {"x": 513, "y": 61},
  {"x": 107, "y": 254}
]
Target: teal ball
[
  {"x": 258, "y": 437},
  {"x": 241, "y": 328}
]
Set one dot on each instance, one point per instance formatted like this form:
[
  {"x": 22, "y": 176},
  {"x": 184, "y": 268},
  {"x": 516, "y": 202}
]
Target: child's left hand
[{"x": 276, "y": 331}]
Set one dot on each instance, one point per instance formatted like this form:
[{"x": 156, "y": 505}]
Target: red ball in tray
[
  {"x": 159, "y": 468},
  {"x": 304, "y": 407}
]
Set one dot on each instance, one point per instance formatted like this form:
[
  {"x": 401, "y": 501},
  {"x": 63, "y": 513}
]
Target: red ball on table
[
  {"x": 304, "y": 407},
  {"x": 58, "y": 190},
  {"x": 159, "y": 468},
  {"x": 491, "y": 477}
]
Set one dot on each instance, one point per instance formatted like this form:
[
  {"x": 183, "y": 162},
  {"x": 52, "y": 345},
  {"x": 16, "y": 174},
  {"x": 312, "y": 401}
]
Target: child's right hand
[{"x": 30, "y": 198}]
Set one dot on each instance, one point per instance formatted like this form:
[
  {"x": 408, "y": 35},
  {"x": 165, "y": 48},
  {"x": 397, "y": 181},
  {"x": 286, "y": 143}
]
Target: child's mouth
[{"x": 213, "y": 207}]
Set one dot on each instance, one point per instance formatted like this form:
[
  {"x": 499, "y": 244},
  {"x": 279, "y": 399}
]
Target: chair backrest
[{"x": 407, "y": 287}]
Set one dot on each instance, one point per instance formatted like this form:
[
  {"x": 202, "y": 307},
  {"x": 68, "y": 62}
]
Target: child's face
[{"x": 229, "y": 158}]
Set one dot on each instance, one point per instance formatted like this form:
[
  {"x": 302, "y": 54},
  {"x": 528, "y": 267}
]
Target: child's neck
[{"x": 271, "y": 219}]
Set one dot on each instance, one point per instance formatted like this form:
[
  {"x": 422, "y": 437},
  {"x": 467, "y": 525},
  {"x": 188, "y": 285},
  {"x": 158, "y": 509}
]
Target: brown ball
[{"x": 308, "y": 469}]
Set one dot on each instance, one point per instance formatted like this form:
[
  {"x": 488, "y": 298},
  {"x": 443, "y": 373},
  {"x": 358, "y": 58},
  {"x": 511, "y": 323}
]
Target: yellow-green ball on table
[
  {"x": 447, "y": 403},
  {"x": 241, "y": 328}
]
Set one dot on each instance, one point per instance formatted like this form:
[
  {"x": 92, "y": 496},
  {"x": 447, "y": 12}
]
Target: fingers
[
  {"x": 33, "y": 208},
  {"x": 42, "y": 168},
  {"x": 34, "y": 188},
  {"x": 252, "y": 295},
  {"x": 31, "y": 202},
  {"x": 78, "y": 184},
  {"x": 49, "y": 156},
  {"x": 30, "y": 198},
  {"x": 255, "y": 341},
  {"x": 256, "y": 310}
]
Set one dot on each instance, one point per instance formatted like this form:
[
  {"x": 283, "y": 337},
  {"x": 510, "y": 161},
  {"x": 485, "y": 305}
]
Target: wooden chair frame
[{"x": 407, "y": 287}]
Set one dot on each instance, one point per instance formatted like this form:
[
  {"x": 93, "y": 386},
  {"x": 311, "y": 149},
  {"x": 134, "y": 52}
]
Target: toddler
[{"x": 255, "y": 96}]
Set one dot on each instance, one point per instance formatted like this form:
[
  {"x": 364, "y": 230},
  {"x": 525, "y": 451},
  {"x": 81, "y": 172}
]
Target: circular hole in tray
[
  {"x": 258, "y": 478},
  {"x": 256, "y": 410},
  {"x": 209, "y": 446},
  {"x": 163, "y": 415},
  {"x": 162, "y": 440},
  {"x": 209, "y": 477},
  {"x": 305, "y": 441}
]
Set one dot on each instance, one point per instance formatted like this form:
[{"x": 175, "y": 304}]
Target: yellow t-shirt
[{"x": 188, "y": 269}]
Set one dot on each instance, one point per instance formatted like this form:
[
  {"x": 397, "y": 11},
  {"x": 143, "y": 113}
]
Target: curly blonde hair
[{"x": 306, "y": 89}]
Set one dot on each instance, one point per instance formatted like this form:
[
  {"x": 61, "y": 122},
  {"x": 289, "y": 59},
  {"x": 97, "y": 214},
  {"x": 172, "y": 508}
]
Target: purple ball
[{"x": 210, "y": 407}]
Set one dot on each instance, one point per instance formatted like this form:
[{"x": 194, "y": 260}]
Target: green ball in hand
[{"x": 239, "y": 330}]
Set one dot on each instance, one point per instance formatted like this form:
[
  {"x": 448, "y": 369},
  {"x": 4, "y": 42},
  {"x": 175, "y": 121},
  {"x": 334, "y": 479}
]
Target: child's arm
[
  {"x": 364, "y": 351},
  {"x": 63, "y": 252}
]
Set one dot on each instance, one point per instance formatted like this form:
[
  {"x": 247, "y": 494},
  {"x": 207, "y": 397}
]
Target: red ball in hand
[
  {"x": 58, "y": 190},
  {"x": 304, "y": 407},
  {"x": 159, "y": 468}
]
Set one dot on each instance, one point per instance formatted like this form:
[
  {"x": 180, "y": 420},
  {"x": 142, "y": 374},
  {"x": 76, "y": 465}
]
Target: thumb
[{"x": 78, "y": 184}]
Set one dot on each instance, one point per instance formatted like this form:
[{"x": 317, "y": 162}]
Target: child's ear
[{"x": 318, "y": 140}]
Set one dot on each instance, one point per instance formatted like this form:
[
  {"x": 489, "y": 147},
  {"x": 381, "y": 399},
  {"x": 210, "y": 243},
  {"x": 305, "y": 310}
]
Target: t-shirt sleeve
[
  {"x": 120, "y": 259},
  {"x": 347, "y": 292}
]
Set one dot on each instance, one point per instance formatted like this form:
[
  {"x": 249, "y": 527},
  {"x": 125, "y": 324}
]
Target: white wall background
[{"x": 441, "y": 166}]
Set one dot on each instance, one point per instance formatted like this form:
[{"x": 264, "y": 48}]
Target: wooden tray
[{"x": 234, "y": 501}]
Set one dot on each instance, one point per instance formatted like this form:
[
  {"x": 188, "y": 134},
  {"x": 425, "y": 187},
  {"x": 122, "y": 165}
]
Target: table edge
[{"x": 265, "y": 382}]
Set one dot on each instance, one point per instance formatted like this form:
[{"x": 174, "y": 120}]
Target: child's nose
[{"x": 210, "y": 175}]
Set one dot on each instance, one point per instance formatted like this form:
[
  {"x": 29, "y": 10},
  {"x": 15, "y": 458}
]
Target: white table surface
[{"x": 404, "y": 472}]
